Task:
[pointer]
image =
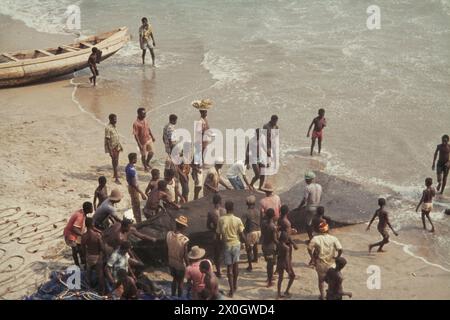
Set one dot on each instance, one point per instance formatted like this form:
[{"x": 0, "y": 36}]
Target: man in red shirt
[
  {"x": 144, "y": 138},
  {"x": 74, "y": 230}
]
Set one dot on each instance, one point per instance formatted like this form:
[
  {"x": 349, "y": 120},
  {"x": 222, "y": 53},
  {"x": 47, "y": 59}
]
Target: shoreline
[{"x": 50, "y": 163}]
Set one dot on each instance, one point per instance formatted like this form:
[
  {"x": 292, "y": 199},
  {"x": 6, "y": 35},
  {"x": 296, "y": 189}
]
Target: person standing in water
[
  {"x": 427, "y": 202},
  {"x": 145, "y": 34},
  {"x": 319, "y": 123},
  {"x": 443, "y": 164},
  {"x": 383, "y": 223},
  {"x": 93, "y": 59}
]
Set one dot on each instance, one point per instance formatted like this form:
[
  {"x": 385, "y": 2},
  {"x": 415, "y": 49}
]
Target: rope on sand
[{"x": 9, "y": 267}]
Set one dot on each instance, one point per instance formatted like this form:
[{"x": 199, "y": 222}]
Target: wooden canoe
[{"x": 25, "y": 67}]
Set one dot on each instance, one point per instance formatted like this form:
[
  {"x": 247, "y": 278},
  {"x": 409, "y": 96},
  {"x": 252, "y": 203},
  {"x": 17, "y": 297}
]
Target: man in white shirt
[
  {"x": 234, "y": 174},
  {"x": 324, "y": 249},
  {"x": 311, "y": 200}
]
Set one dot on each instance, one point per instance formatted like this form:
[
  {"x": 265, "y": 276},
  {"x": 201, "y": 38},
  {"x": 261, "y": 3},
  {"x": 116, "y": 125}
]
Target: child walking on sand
[
  {"x": 383, "y": 223},
  {"x": 427, "y": 202},
  {"x": 284, "y": 263}
]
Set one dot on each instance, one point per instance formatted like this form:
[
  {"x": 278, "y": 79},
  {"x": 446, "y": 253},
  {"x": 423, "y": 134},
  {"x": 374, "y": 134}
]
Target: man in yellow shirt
[
  {"x": 230, "y": 229},
  {"x": 145, "y": 33}
]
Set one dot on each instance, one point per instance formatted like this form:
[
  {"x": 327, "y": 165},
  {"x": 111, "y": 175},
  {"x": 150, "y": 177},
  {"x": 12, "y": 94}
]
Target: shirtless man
[
  {"x": 93, "y": 59},
  {"x": 211, "y": 290},
  {"x": 153, "y": 183},
  {"x": 284, "y": 263},
  {"x": 319, "y": 123},
  {"x": 101, "y": 192},
  {"x": 427, "y": 202},
  {"x": 383, "y": 223},
  {"x": 157, "y": 197},
  {"x": 120, "y": 231},
  {"x": 93, "y": 247},
  {"x": 269, "y": 126},
  {"x": 284, "y": 225},
  {"x": 269, "y": 243},
  {"x": 443, "y": 164},
  {"x": 334, "y": 280},
  {"x": 211, "y": 224}
]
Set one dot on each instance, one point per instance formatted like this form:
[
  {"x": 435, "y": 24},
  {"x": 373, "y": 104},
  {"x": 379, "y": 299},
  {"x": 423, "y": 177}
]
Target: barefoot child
[
  {"x": 319, "y": 123},
  {"x": 383, "y": 223},
  {"x": 101, "y": 193},
  {"x": 334, "y": 280},
  {"x": 427, "y": 202},
  {"x": 284, "y": 263}
]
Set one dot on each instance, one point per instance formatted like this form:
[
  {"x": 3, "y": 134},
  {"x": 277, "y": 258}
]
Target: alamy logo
[
  {"x": 374, "y": 279},
  {"x": 73, "y": 17},
  {"x": 253, "y": 146},
  {"x": 374, "y": 20},
  {"x": 73, "y": 282}
]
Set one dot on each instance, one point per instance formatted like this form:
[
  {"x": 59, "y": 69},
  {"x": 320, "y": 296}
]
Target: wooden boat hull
[{"x": 28, "y": 71}]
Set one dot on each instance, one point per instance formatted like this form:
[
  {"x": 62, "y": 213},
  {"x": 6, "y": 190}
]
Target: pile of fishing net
[{"x": 57, "y": 288}]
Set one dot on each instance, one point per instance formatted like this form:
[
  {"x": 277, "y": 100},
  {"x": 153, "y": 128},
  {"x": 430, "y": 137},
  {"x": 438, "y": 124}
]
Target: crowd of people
[{"x": 100, "y": 243}]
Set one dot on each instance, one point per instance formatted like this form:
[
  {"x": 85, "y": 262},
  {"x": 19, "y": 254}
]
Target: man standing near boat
[
  {"x": 94, "y": 58},
  {"x": 145, "y": 33}
]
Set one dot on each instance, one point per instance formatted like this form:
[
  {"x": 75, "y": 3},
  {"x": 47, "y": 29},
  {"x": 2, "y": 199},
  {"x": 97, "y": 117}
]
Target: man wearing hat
[
  {"x": 252, "y": 231},
  {"x": 270, "y": 201},
  {"x": 107, "y": 211},
  {"x": 177, "y": 244},
  {"x": 311, "y": 200},
  {"x": 193, "y": 274},
  {"x": 323, "y": 250}
]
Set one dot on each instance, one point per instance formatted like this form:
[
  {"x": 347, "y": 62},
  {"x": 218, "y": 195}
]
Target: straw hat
[
  {"x": 251, "y": 199},
  {"x": 204, "y": 104},
  {"x": 115, "y": 195},
  {"x": 310, "y": 175},
  {"x": 323, "y": 227},
  {"x": 196, "y": 253},
  {"x": 268, "y": 187},
  {"x": 182, "y": 220}
]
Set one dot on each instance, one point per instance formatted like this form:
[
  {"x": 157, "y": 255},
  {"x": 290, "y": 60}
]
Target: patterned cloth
[{"x": 112, "y": 141}]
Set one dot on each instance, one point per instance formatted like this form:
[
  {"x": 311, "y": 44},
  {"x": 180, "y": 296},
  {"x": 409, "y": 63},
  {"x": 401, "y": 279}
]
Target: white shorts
[{"x": 146, "y": 45}]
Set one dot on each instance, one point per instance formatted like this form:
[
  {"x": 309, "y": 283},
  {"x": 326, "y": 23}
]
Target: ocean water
[{"x": 386, "y": 92}]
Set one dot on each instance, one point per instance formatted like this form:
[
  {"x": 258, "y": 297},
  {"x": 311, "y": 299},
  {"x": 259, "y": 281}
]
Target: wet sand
[{"x": 51, "y": 157}]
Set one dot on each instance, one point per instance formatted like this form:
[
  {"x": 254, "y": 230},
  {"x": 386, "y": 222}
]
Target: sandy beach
[{"x": 52, "y": 155}]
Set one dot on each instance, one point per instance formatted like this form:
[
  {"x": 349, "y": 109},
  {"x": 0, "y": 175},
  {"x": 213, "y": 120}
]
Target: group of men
[{"x": 265, "y": 223}]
